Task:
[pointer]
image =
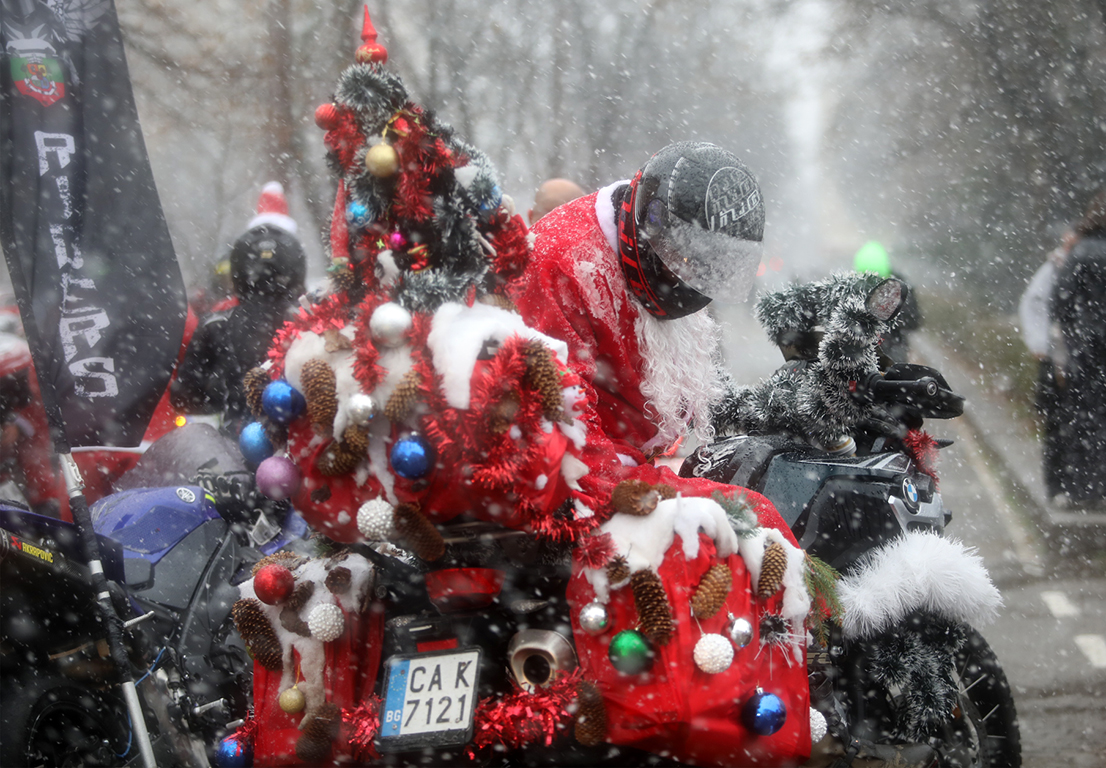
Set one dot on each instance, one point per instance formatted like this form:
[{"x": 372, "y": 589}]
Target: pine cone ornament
[
  {"x": 637, "y": 497},
  {"x": 320, "y": 390},
  {"x": 337, "y": 459},
  {"x": 253, "y": 383},
  {"x": 314, "y": 745},
  {"x": 591, "y": 714},
  {"x": 300, "y": 595},
  {"x": 618, "y": 570},
  {"x": 542, "y": 376},
  {"x": 356, "y": 440},
  {"x": 289, "y": 560},
  {"x": 652, "y": 606},
  {"x": 503, "y": 413},
  {"x": 338, "y": 580},
  {"x": 403, "y": 399},
  {"x": 711, "y": 593},
  {"x": 292, "y": 622},
  {"x": 417, "y": 533},
  {"x": 258, "y": 633},
  {"x": 772, "y": 568}
]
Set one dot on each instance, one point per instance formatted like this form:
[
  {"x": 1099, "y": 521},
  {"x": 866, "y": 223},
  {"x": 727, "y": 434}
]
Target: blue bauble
[
  {"x": 490, "y": 203},
  {"x": 764, "y": 713},
  {"x": 358, "y": 215},
  {"x": 412, "y": 457},
  {"x": 233, "y": 753},
  {"x": 282, "y": 402},
  {"x": 254, "y": 443}
]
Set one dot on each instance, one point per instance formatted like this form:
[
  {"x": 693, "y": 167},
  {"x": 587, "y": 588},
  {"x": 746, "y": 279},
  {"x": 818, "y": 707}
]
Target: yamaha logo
[{"x": 186, "y": 495}]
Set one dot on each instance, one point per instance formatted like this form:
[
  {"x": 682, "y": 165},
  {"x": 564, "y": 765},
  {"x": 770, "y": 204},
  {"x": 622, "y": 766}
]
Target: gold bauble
[
  {"x": 382, "y": 161},
  {"x": 292, "y": 700}
]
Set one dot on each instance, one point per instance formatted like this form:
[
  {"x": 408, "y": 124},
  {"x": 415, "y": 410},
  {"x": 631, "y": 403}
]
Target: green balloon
[{"x": 630, "y": 652}]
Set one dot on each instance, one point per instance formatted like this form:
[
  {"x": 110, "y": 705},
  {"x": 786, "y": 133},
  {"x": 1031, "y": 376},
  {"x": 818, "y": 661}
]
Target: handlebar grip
[{"x": 876, "y": 389}]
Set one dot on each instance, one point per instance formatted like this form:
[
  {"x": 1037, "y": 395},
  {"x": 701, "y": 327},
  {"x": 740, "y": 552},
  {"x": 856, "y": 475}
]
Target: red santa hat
[{"x": 272, "y": 209}]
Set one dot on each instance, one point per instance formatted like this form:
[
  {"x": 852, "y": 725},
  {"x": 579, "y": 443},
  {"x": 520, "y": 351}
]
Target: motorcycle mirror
[{"x": 887, "y": 298}]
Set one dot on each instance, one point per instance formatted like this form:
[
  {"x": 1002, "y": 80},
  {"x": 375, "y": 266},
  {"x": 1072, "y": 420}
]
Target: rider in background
[{"x": 268, "y": 267}]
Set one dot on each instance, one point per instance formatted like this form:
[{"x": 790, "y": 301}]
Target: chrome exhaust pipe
[{"x": 538, "y": 656}]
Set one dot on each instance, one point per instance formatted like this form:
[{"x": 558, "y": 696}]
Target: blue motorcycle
[{"x": 174, "y": 554}]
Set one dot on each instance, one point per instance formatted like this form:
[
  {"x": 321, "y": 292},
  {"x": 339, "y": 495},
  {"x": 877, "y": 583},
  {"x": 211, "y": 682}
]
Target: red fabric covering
[
  {"x": 352, "y": 663},
  {"x": 675, "y": 708},
  {"x": 593, "y": 313}
]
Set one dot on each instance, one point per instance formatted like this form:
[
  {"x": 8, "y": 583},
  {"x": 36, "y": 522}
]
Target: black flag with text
[{"x": 81, "y": 224}]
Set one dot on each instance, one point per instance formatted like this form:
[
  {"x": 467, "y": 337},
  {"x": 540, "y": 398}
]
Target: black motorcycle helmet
[
  {"x": 268, "y": 262},
  {"x": 690, "y": 227}
]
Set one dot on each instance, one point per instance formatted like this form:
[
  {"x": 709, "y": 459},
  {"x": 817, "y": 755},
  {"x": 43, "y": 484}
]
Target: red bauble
[
  {"x": 326, "y": 116},
  {"x": 273, "y": 584}
]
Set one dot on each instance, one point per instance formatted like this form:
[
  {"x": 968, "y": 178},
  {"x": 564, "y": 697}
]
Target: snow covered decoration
[
  {"x": 297, "y": 629},
  {"x": 422, "y": 388},
  {"x": 919, "y": 571},
  {"x": 830, "y": 335}
]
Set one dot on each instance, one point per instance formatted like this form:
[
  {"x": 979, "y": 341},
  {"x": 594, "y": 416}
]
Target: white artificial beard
[{"x": 681, "y": 381}]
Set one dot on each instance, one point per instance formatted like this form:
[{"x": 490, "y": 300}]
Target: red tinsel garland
[
  {"x": 594, "y": 552},
  {"x": 364, "y": 722},
  {"x": 330, "y": 313},
  {"x": 247, "y": 732},
  {"x": 923, "y": 449},
  {"x": 523, "y": 718},
  {"x": 345, "y": 138},
  {"x": 512, "y": 250}
]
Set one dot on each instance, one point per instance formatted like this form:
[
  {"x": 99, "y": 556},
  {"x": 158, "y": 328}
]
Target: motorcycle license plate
[{"x": 429, "y": 700}]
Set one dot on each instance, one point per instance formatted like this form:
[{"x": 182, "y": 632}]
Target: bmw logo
[{"x": 910, "y": 492}]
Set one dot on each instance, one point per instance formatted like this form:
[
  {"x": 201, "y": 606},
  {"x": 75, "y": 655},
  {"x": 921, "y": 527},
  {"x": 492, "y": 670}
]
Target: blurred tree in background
[
  {"x": 973, "y": 129},
  {"x": 962, "y": 134}
]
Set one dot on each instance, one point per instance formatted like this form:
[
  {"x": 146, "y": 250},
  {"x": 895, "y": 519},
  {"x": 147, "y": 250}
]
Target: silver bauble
[
  {"x": 740, "y": 631},
  {"x": 595, "y": 619},
  {"x": 389, "y": 324},
  {"x": 361, "y": 409}
]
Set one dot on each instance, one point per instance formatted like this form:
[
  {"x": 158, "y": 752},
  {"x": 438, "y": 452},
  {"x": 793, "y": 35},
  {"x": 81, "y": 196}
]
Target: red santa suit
[{"x": 574, "y": 289}]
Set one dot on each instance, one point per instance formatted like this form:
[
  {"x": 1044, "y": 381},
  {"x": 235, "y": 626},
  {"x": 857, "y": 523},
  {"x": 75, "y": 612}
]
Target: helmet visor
[{"x": 713, "y": 263}]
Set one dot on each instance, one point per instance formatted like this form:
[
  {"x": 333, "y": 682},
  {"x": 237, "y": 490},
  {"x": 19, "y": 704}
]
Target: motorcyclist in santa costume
[{"x": 621, "y": 276}]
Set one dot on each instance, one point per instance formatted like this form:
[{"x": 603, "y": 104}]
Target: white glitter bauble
[
  {"x": 713, "y": 654},
  {"x": 818, "y": 726},
  {"x": 361, "y": 409},
  {"x": 595, "y": 619},
  {"x": 374, "y": 520},
  {"x": 326, "y": 622},
  {"x": 389, "y": 323},
  {"x": 740, "y": 631}
]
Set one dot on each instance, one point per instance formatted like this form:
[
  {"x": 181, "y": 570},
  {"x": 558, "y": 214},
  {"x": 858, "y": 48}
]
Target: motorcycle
[
  {"x": 903, "y": 678},
  {"x": 176, "y": 542}
]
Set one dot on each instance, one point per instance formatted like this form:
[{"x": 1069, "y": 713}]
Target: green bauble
[{"x": 630, "y": 652}]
